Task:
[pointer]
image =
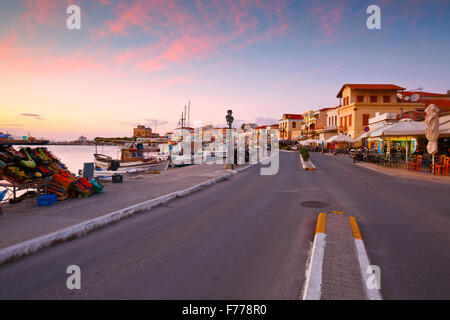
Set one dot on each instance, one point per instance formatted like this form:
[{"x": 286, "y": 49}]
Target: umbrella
[
  {"x": 340, "y": 138},
  {"x": 309, "y": 141},
  {"x": 432, "y": 130},
  {"x": 371, "y": 133},
  {"x": 405, "y": 127}
]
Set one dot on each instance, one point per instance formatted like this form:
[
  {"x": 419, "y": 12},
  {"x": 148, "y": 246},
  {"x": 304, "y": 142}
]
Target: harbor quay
[{"x": 25, "y": 221}]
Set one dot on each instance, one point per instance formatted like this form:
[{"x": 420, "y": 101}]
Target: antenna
[{"x": 414, "y": 97}]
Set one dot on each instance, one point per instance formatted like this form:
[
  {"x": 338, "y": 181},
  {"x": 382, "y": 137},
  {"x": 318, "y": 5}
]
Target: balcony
[{"x": 330, "y": 128}]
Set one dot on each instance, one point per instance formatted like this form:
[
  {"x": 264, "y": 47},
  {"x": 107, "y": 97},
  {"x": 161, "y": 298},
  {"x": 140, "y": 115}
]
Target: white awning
[{"x": 404, "y": 127}]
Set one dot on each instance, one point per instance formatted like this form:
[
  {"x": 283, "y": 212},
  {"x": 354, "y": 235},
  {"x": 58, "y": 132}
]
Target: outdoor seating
[
  {"x": 415, "y": 165},
  {"x": 444, "y": 166}
]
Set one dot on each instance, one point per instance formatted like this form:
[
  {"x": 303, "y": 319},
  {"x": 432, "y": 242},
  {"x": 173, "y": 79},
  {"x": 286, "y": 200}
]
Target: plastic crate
[
  {"x": 97, "y": 186},
  {"x": 47, "y": 200}
]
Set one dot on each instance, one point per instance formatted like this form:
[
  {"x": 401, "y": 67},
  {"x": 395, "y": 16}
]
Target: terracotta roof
[
  {"x": 325, "y": 109},
  {"x": 426, "y": 94},
  {"x": 443, "y": 105},
  {"x": 269, "y": 125},
  {"x": 369, "y": 87},
  {"x": 292, "y": 116}
]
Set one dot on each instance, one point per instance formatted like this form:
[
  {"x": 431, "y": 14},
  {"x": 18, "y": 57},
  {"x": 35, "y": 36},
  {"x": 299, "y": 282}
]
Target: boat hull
[{"x": 106, "y": 165}]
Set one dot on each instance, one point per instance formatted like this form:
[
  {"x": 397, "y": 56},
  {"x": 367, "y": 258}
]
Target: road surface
[{"x": 249, "y": 238}]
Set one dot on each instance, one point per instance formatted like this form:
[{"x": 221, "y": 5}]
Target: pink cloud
[
  {"x": 329, "y": 19},
  {"x": 191, "y": 33},
  {"x": 48, "y": 12}
]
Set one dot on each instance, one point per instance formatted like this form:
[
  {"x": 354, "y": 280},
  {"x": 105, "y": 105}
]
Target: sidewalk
[
  {"x": 24, "y": 221},
  {"x": 401, "y": 172}
]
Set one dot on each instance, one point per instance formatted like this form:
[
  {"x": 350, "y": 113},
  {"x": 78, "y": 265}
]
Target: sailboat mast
[{"x": 189, "y": 112}]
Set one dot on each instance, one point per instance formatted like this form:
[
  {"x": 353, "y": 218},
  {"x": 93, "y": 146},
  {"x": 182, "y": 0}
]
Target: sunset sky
[{"x": 134, "y": 62}]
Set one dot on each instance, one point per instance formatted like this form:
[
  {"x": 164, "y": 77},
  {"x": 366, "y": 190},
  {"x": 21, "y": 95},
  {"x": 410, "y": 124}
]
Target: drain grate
[{"x": 314, "y": 204}]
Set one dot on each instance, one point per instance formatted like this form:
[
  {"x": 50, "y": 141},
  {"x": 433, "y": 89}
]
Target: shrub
[{"x": 304, "y": 153}]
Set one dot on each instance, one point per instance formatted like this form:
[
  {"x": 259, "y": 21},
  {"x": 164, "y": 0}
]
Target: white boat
[{"x": 131, "y": 158}]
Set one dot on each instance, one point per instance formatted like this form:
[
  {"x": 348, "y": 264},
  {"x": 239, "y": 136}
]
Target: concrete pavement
[
  {"x": 249, "y": 238},
  {"x": 24, "y": 221}
]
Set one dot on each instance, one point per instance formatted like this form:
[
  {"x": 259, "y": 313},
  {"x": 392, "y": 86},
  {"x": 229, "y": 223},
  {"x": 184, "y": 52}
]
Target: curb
[
  {"x": 243, "y": 168},
  {"x": 376, "y": 170},
  {"x": 28, "y": 247},
  {"x": 313, "y": 283},
  {"x": 363, "y": 259},
  {"x": 307, "y": 165}
]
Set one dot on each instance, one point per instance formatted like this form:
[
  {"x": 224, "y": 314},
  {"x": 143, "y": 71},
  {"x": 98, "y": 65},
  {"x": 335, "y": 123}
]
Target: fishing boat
[{"x": 131, "y": 158}]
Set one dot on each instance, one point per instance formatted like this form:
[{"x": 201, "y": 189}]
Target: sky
[{"x": 140, "y": 62}]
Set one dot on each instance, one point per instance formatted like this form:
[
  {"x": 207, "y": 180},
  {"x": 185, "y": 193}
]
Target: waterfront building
[
  {"x": 360, "y": 102},
  {"x": 144, "y": 132},
  {"x": 290, "y": 126},
  {"x": 268, "y": 130},
  {"x": 315, "y": 123}
]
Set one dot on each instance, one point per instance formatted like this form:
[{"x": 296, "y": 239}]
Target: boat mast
[{"x": 189, "y": 112}]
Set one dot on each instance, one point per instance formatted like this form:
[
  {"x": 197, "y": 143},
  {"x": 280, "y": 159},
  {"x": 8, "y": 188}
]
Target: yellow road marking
[
  {"x": 355, "y": 228},
  {"x": 321, "y": 223},
  {"x": 337, "y": 212}
]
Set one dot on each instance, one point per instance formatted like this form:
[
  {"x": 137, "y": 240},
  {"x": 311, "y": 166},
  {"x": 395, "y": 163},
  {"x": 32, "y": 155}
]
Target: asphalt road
[{"x": 248, "y": 238}]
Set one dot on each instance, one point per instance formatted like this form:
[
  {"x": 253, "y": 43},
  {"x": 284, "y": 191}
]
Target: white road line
[
  {"x": 363, "y": 259},
  {"x": 313, "y": 283}
]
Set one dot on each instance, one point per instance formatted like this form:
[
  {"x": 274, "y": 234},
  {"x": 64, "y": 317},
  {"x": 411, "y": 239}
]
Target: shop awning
[{"x": 405, "y": 127}]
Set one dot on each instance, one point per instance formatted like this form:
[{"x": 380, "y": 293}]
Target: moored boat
[{"x": 131, "y": 158}]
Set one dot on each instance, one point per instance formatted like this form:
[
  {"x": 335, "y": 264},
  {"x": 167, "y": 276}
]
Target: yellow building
[
  {"x": 290, "y": 126},
  {"x": 143, "y": 132},
  {"x": 314, "y": 123},
  {"x": 359, "y": 102}
]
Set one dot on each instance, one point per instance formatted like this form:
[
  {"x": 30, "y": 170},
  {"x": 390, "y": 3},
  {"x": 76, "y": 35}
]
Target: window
[
  {"x": 294, "y": 124},
  {"x": 386, "y": 99},
  {"x": 349, "y": 120},
  {"x": 345, "y": 122},
  {"x": 360, "y": 98},
  {"x": 373, "y": 99},
  {"x": 365, "y": 119},
  {"x": 340, "y": 120}
]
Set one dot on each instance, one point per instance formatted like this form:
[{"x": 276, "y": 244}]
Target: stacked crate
[{"x": 60, "y": 184}]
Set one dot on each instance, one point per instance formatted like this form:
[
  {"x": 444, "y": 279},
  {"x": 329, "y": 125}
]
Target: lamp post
[
  {"x": 229, "y": 118},
  {"x": 230, "y": 151}
]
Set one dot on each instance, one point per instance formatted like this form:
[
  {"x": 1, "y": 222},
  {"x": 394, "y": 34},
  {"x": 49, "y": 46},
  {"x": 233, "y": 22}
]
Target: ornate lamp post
[{"x": 230, "y": 151}]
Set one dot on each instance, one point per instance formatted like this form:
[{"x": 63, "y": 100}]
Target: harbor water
[{"x": 74, "y": 156}]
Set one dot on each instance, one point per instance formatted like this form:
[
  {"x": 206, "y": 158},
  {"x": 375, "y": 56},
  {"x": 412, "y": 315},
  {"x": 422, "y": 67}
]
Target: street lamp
[
  {"x": 230, "y": 151},
  {"x": 229, "y": 118}
]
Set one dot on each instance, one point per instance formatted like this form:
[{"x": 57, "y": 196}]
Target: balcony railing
[{"x": 331, "y": 128}]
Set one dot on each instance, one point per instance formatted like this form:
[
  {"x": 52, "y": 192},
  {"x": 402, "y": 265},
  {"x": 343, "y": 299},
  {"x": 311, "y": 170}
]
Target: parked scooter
[{"x": 360, "y": 155}]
